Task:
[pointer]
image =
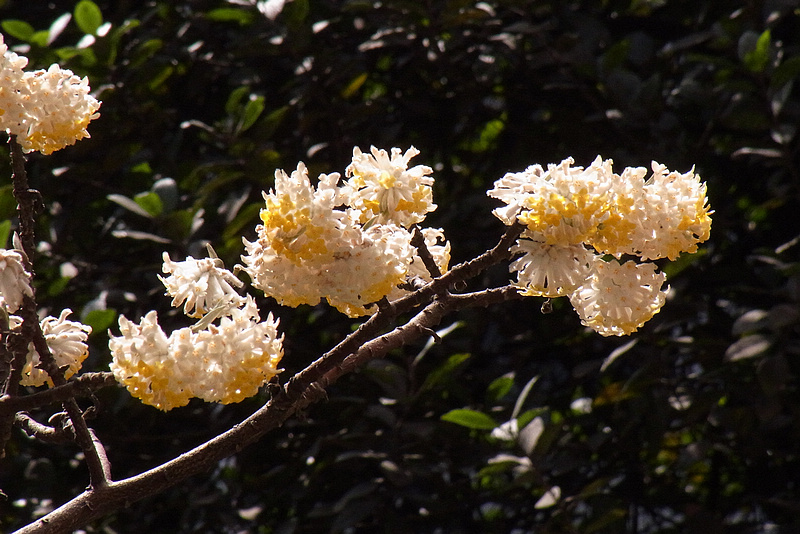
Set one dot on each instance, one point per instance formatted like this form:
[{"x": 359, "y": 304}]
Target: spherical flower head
[
  {"x": 365, "y": 271},
  {"x": 67, "y": 343},
  {"x": 550, "y": 270},
  {"x": 383, "y": 189},
  {"x": 58, "y": 107},
  {"x": 12, "y": 87},
  {"x": 562, "y": 205},
  {"x": 299, "y": 221},
  {"x": 201, "y": 285},
  {"x": 307, "y": 249},
  {"x": 222, "y": 363},
  {"x": 15, "y": 281},
  {"x": 670, "y": 215},
  {"x": 143, "y": 362},
  {"x": 616, "y": 299},
  {"x": 46, "y": 110}
]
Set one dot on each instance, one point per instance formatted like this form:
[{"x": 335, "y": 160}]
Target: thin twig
[
  {"x": 303, "y": 389},
  {"x": 79, "y": 386},
  {"x": 32, "y": 331},
  {"x": 418, "y": 241}
]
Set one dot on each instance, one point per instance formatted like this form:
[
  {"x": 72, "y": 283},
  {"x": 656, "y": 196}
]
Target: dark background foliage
[{"x": 691, "y": 425}]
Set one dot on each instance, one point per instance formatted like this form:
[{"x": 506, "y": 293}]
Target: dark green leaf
[
  {"x": 444, "y": 371},
  {"x": 235, "y": 99},
  {"x": 500, "y": 387},
  {"x": 19, "y": 29},
  {"x": 756, "y": 52},
  {"x": 88, "y": 16},
  {"x": 150, "y": 202},
  {"x": 252, "y": 111},
  {"x": 100, "y": 320},
  {"x": 470, "y": 419},
  {"x": 231, "y": 14},
  {"x": 5, "y": 233}
]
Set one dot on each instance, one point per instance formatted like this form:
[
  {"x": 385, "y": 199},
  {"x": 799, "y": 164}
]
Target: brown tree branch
[
  {"x": 79, "y": 386},
  {"x": 303, "y": 389},
  {"x": 28, "y": 201}
]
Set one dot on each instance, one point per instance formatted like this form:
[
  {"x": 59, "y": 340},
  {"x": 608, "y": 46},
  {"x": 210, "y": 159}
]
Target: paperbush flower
[
  {"x": 574, "y": 216},
  {"x": 382, "y": 188},
  {"x": 15, "y": 281},
  {"x": 46, "y": 109},
  {"x": 616, "y": 299},
  {"x": 223, "y": 363},
  {"x": 201, "y": 284},
  {"x": 67, "y": 343},
  {"x": 309, "y": 248},
  {"x": 550, "y": 270},
  {"x": 12, "y": 87}
]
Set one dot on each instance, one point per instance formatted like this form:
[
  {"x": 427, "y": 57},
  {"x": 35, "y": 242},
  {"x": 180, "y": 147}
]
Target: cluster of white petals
[
  {"x": 200, "y": 285},
  {"x": 67, "y": 343},
  {"x": 226, "y": 362},
  {"x": 347, "y": 244},
  {"x": 15, "y": 281},
  {"x": 574, "y": 216},
  {"x": 382, "y": 188},
  {"x": 226, "y": 357},
  {"x": 46, "y": 109}
]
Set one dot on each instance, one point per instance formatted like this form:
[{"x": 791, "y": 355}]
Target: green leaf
[
  {"x": 100, "y": 320},
  {"x": 230, "y": 14},
  {"x": 470, "y": 419},
  {"x": 150, "y": 202},
  {"x": 88, "y": 16},
  {"x": 235, "y": 99},
  {"x": 354, "y": 85},
  {"x": 40, "y": 38},
  {"x": 19, "y": 29},
  {"x": 5, "y": 231},
  {"x": 786, "y": 72},
  {"x": 272, "y": 121},
  {"x": 757, "y": 57},
  {"x": 446, "y": 370},
  {"x": 8, "y": 204},
  {"x": 500, "y": 387},
  {"x": 252, "y": 111}
]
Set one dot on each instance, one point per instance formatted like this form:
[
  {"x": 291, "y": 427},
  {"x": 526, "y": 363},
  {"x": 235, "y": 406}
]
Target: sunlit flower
[
  {"x": 15, "y": 281},
  {"x": 560, "y": 205},
  {"x": 46, "y": 109},
  {"x": 12, "y": 87},
  {"x": 67, "y": 343},
  {"x": 550, "y": 270},
  {"x": 364, "y": 272},
  {"x": 616, "y": 299},
  {"x": 307, "y": 249},
  {"x": 201, "y": 284},
  {"x": 222, "y": 363},
  {"x": 669, "y": 215},
  {"x": 383, "y": 189},
  {"x": 659, "y": 217}
]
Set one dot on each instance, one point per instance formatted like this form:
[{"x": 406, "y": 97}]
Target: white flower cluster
[
  {"x": 67, "y": 343},
  {"x": 349, "y": 244},
  {"x": 46, "y": 109},
  {"x": 575, "y": 216},
  {"x": 225, "y": 362},
  {"x": 66, "y": 339},
  {"x": 15, "y": 281}
]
